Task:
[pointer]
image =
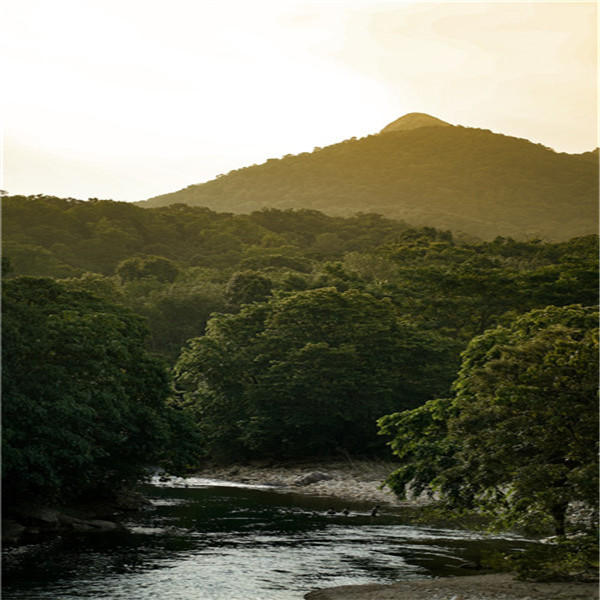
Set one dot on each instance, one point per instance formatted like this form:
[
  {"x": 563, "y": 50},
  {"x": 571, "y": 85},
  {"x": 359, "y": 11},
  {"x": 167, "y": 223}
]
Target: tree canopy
[
  {"x": 309, "y": 373},
  {"x": 519, "y": 438},
  {"x": 83, "y": 404}
]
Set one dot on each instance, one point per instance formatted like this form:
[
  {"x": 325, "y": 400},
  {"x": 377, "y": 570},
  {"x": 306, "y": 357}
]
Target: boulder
[
  {"x": 11, "y": 531},
  {"x": 37, "y": 515},
  {"x": 129, "y": 500},
  {"x": 89, "y": 525},
  {"x": 313, "y": 477},
  {"x": 100, "y": 525},
  {"x": 261, "y": 464}
]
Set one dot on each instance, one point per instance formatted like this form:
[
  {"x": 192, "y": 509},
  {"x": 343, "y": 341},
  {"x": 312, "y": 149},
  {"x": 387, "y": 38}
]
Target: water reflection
[{"x": 212, "y": 543}]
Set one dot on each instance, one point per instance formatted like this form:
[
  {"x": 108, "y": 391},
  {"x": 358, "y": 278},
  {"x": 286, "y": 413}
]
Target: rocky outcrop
[
  {"x": 25, "y": 523},
  {"x": 39, "y": 516},
  {"x": 12, "y": 532},
  {"x": 313, "y": 477},
  {"x": 89, "y": 525}
]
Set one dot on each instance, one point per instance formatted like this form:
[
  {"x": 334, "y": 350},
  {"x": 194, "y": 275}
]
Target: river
[{"x": 217, "y": 541}]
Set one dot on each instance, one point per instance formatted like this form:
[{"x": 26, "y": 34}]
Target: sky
[{"x": 129, "y": 99}]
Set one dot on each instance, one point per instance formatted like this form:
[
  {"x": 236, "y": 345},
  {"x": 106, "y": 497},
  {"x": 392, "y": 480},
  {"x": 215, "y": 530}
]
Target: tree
[
  {"x": 309, "y": 373},
  {"x": 456, "y": 289},
  {"x": 177, "y": 313},
  {"x": 426, "y": 452},
  {"x": 98, "y": 285},
  {"x": 520, "y": 437},
  {"x": 27, "y": 259},
  {"x": 83, "y": 403},
  {"x": 245, "y": 287},
  {"x": 7, "y": 267},
  {"x": 138, "y": 267}
]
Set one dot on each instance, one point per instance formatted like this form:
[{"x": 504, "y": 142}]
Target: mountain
[{"x": 426, "y": 172}]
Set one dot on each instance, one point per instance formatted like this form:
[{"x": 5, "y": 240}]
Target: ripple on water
[
  {"x": 235, "y": 544},
  {"x": 203, "y": 482},
  {"x": 168, "y": 501}
]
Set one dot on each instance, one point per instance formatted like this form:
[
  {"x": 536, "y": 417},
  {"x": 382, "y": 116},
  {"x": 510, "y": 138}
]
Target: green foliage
[
  {"x": 308, "y": 373},
  {"x": 563, "y": 559},
  {"x": 533, "y": 387},
  {"x": 177, "y": 313},
  {"x": 36, "y": 261},
  {"x": 246, "y": 287},
  {"x": 464, "y": 289},
  {"x": 266, "y": 261},
  {"x": 174, "y": 263},
  {"x": 101, "y": 286},
  {"x": 183, "y": 451},
  {"x": 421, "y": 442},
  {"x": 520, "y": 438},
  {"x": 102, "y": 236},
  {"x": 83, "y": 403},
  {"x": 7, "y": 267},
  {"x": 139, "y": 267}
]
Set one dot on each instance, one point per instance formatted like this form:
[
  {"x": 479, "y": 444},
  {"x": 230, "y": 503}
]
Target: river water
[{"x": 217, "y": 541}]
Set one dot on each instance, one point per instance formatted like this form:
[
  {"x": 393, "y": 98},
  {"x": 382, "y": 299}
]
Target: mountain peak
[{"x": 414, "y": 121}]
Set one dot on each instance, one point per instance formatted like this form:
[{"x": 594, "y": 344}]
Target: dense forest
[
  {"x": 176, "y": 265},
  {"x": 178, "y": 334},
  {"x": 424, "y": 172}
]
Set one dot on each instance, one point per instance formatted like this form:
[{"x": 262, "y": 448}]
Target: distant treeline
[{"x": 58, "y": 237}]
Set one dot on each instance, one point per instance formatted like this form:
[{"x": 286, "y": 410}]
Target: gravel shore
[
  {"x": 498, "y": 586},
  {"x": 357, "y": 481}
]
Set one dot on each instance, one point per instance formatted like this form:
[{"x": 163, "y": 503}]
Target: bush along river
[{"x": 209, "y": 540}]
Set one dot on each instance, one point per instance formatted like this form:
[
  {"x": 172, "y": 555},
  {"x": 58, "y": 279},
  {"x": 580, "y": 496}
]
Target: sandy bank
[{"x": 498, "y": 586}]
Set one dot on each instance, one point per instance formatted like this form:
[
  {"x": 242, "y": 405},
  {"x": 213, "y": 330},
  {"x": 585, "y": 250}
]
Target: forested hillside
[
  {"x": 426, "y": 173},
  {"x": 176, "y": 265}
]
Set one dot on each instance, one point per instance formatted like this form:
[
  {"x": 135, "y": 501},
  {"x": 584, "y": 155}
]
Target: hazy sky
[{"x": 127, "y": 99}]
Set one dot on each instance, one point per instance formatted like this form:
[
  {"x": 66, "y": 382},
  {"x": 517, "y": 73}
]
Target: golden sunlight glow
[{"x": 126, "y": 99}]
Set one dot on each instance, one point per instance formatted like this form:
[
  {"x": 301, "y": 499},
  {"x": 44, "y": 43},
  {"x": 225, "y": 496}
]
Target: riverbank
[
  {"x": 30, "y": 523},
  {"x": 363, "y": 481},
  {"x": 497, "y": 586},
  {"x": 351, "y": 480}
]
